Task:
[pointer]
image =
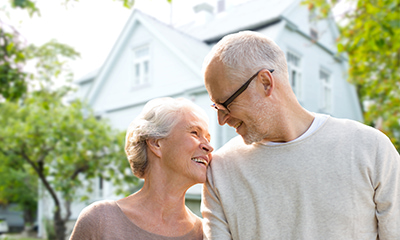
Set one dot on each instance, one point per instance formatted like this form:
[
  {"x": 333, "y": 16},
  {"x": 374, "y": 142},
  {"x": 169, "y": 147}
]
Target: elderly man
[{"x": 292, "y": 174}]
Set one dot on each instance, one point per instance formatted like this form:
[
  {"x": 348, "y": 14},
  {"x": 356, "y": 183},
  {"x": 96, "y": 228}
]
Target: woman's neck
[{"x": 159, "y": 207}]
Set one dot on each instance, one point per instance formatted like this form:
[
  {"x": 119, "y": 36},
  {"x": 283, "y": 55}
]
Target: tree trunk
[{"x": 59, "y": 225}]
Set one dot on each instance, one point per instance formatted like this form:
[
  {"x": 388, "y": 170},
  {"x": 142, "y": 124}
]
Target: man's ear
[
  {"x": 154, "y": 146},
  {"x": 267, "y": 81}
]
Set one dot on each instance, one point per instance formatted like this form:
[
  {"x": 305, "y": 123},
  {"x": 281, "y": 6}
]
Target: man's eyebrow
[{"x": 214, "y": 101}]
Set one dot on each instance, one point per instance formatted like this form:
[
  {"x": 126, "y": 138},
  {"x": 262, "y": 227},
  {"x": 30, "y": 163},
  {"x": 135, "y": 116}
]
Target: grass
[{"x": 15, "y": 237}]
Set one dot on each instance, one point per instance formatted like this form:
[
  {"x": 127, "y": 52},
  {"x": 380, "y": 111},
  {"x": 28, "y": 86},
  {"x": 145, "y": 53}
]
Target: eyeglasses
[{"x": 224, "y": 106}]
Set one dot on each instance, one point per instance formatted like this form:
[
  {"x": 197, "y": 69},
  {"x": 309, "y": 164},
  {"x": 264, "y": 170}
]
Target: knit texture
[
  {"x": 105, "y": 220},
  {"x": 341, "y": 182}
]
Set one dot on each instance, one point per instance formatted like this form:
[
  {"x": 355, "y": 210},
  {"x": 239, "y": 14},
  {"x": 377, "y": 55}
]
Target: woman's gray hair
[
  {"x": 156, "y": 121},
  {"x": 246, "y": 52}
]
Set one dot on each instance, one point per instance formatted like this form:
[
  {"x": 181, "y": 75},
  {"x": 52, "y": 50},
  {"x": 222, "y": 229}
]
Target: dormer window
[{"x": 141, "y": 65}]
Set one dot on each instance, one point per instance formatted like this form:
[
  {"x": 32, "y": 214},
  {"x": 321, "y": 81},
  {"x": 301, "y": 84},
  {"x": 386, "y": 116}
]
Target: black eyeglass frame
[{"x": 238, "y": 92}]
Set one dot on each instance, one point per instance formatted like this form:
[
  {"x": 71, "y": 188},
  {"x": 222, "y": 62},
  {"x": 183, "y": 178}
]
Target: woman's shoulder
[
  {"x": 99, "y": 208},
  {"x": 93, "y": 214},
  {"x": 90, "y": 222}
]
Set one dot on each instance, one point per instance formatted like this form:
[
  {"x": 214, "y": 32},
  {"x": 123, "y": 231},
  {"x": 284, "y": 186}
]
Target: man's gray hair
[
  {"x": 156, "y": 121},
  {"x": 244, "y": 53}
]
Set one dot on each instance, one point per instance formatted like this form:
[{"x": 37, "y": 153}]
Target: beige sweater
[
  {"x": 105, "y": 220},
  {"x": 341, "y": 182}
]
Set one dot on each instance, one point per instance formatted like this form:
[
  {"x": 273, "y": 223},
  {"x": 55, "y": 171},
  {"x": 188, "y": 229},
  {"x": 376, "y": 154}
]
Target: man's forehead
[{"x": 216, "y": 81}]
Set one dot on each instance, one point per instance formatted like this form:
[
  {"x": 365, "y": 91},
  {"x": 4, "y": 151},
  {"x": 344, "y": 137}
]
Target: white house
[{"x": 152, "y": 59}]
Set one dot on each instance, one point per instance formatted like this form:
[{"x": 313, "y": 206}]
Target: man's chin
[{"x": 247, "y": 140}]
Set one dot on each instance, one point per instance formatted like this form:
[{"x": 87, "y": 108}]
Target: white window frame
[
  {"x": 295, "y": 76},
  {"x": 141, "y": 65},
  {"x": 100, "y": 187},
  {"x": 326, "y": 92}
]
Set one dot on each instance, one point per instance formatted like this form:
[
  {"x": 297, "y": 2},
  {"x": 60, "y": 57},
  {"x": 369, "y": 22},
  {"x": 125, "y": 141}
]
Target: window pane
[
  {"x": 294, "y": 80},
  {"x": 146, "y": 67},
  {"x": 137, "y": 69},
  {"x": 293, "y": 59},
  {"x": 137, "y": 73},
  {"x": 326, "y": 90}
]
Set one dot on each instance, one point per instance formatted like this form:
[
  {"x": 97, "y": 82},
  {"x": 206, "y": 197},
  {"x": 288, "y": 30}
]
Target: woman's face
[{"x": 186, "y": 152}]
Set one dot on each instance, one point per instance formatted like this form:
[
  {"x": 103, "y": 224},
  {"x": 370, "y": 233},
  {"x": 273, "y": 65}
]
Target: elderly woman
[{"x": 168, "y": 145}]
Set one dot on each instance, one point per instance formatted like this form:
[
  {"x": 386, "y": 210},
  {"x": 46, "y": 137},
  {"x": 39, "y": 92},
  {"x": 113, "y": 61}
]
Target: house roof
[
  {"x": 88, "y": 76},
  {"x": 193, "y": 48},
  {"x": 250, "y": 15}
]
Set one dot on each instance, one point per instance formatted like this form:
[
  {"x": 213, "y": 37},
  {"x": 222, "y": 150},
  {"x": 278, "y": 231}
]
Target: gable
[
  {"x": 168, "y": 74},
  {"x": 174, "y": 65}
]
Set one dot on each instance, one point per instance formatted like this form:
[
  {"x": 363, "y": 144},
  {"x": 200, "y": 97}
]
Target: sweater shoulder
[
  {"x": 348, "y": 128},
  {"x": 89, "y": 224},
  {"x": 233, "y": 146},
  {"x": 99, "y": 208}
]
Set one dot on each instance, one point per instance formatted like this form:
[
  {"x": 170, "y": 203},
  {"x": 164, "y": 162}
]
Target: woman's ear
[
  {"x": 267, "y": 81},
  {"x": 154, "y": 146}
]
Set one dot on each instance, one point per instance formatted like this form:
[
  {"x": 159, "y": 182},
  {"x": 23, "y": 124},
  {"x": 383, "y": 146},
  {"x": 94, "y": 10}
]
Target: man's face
[{"x": 248, "y": 113}]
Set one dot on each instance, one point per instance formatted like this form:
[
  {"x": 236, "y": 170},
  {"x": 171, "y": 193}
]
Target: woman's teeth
[{"x": 200, "y": 160}]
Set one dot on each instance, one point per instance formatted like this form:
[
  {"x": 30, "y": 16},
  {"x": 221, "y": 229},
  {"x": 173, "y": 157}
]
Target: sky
[{"x": 91, "y": 27}]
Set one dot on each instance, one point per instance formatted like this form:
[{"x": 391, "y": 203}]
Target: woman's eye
[{"x": 195, "y": 133}]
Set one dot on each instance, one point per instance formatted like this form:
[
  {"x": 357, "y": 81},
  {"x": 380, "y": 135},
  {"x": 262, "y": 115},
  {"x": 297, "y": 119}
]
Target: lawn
[{"x": 15, "y": 237}]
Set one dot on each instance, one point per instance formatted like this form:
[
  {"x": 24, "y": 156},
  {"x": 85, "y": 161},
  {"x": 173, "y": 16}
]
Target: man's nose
[{"x": 222, "y": 117}]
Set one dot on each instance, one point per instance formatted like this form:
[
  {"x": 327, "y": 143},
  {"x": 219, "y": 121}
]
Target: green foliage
[
  {"x": 50, "y": 62},
  {"x": 370, "y": 38},
  {"x": 63, "y": 145},
  {"x": 44, "y": 139},
  {"x": 61, "y": 142},
  {"x": 18, "y": 185},
  {"x": 28, "y": 5},
  {"x": 12, "y": 59}
]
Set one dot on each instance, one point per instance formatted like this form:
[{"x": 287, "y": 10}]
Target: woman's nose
[{"x": 207, "y": 147}]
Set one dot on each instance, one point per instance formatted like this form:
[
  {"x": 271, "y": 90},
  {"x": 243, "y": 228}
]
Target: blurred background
[{"x": 74, "y": 74}]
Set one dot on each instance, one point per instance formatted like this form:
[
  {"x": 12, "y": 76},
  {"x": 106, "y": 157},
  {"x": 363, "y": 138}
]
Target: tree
[
  {"x": 370, "y": 34},
  {"x": 43, "y": 135},
  {"x": 61, "y": 145},
  {"x": 65, "y": 145}
]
